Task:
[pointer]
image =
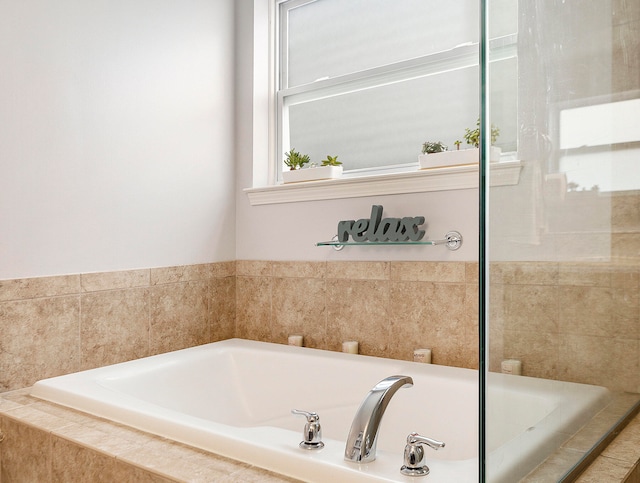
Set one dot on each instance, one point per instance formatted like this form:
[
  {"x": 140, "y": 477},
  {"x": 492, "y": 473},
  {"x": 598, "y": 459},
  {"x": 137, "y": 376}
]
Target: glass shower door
[{"x": 560, "y": 250}]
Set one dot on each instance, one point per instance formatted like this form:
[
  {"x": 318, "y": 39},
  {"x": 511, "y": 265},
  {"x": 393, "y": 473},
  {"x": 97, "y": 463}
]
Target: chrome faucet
[{"x": 363, "y": 436}]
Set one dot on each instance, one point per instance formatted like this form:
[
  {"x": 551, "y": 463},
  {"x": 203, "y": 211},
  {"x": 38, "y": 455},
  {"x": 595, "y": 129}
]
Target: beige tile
[
  {"x": 625, "y": 277},
  {"x": 472, "y": 272},
  {"x": 28, "y": 288},
  {"x": 299, "y": 307},
  {"x": 531, "y": 307},
  {"x": 626, "y": 446},
  {"x": 7, "y": 404},
  {"x": 39, "y": 339},
  {"x": 26, "y": 453},
  {"x": 599, "y": 311},
  {"x": 94, "y": 282},
  {"x": 19, "y": 396},
  {"x": 605, "y": 469},
  {"x": 114, "y": 327},
  {"x": 527, "y": 273},
  {"x": 585, "y": 274},
  {"x": 254, "y": 268},
  {"x": 125, "y": 472},
  {"x": 223, "y": 269},
  {"x": 538, "y": 351},
  {"x": 300, "y": 269},
  {"x": 182, "y": 273},
  {"x": 554, "y": 467},
  {"x": 102, "y": 438},
  {"x": 222, "y": 308},
  {"x": 71, "y": 463},
  {"x": 442, "y": 317},
  {"x": 172, "y": 460},
  {"x": 253, "y": 308},
  {"x": 358, "y": 310},
  {"x": 257, "y": 475},
  {"x": 179, "y": 316},
  {"x": 36, "y": 417},
  {"x": 594, "y": 429},
  {"x": 626, "y": 247},
  {"x": 625, "y": 212},
  {"x": 612, "y": 363},
  {"x": 358, "y": 270},
  {"x": 454, "y": 272}
]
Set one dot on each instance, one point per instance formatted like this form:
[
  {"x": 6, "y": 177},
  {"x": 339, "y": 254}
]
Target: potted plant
[
  {"x": 294, "y": 160},
  {"x": 436, "y": 155},
  {"x": 330, "y": 168},
  {"x": 472, "y": 136},
  {"x": 429, "y": 147}
]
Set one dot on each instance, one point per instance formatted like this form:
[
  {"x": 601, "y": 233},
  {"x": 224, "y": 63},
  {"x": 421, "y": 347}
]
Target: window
[
  {"x": 599, "y": 144},
  {"x": 371, "y": 80}
]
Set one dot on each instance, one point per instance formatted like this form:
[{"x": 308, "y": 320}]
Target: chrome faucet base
[
  {"x": 311, "y": 446},
  {"x": 312, "y": 433},
  {"x": 406, "y": 470}
]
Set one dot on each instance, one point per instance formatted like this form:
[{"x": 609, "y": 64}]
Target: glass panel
[
  {"x": 329, "y": 38},
  {"x": 564, "y": 244},
  {"x": 388, "y": 124}
]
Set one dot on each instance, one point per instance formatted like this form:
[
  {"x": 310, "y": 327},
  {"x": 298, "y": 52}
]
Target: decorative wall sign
[{"x": 377, "y": 229}]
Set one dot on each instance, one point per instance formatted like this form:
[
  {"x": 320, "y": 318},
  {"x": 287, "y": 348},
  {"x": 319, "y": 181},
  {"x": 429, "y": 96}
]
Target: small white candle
[
  {"x": 295, "y": 340},
  {"x": 512, "y": 366},
  {"x": 422, "y": 355},
  {"x": 350, "y": 346}
]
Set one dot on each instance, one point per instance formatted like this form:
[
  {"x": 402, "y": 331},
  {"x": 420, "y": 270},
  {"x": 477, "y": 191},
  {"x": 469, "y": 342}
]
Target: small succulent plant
[
  {"x": 472, "y": 136},
  {"x": 433, "y": 147},
  {"x": 295, "y": 160},
  {"x": 331, "y": 161}
]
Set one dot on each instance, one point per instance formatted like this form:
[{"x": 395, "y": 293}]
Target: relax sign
[{"x": 378, "y": 229}]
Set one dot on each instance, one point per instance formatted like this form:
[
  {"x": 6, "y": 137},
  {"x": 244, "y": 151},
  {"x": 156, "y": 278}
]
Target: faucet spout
[{"x": 363, "y": 436}]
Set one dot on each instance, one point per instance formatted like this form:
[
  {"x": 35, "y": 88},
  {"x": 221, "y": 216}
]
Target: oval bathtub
[{"x": 235, "y": 398}]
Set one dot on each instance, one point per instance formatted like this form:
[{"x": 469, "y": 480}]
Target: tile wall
[
  {"x": 57, "y": 325},
  {"x": 390, "y": 308},
  {"x": 568, "y": 321},
  {"x": 575, "y": 322}
]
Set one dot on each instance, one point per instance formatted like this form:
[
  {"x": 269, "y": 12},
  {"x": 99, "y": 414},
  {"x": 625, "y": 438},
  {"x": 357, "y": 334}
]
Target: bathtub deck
[
  {"x": 94, "y": 449},
  {"x": 93, "y": 446}
]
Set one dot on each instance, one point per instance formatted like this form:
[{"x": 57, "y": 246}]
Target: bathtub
[{"x": 235, "y": 397}]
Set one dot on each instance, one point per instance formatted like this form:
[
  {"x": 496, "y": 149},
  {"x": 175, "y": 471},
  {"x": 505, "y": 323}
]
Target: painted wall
[
  {"x": 116, "y": 135},
  {"x": 289, "y": 231}
]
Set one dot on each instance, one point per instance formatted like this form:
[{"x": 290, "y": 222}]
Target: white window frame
[{"x": 393, "y": 179}]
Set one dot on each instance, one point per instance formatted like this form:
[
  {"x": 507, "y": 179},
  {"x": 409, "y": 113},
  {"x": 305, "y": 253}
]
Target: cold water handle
[
  {"x": 415, "y": 462},
  {"x": 312, "y": 435}
]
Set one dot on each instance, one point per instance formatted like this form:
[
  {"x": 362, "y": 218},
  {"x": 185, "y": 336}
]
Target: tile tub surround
[
  {"x": 290, "y": 297},
  {"x": 390, "y": 308},
  {"x": 57, "y": 325},
  {"x": 562, "y": 320},
  {"x": 46, "y": 443},
  {"x": 576, "y": 322}
]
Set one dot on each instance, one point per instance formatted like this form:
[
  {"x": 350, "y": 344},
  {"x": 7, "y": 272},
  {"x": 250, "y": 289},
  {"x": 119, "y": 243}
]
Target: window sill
[{"x": 420, "y": 181}]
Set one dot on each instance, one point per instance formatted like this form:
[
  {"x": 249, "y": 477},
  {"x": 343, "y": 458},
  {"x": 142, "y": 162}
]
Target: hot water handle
[
  {"x": 415, "y": 462},
  {"x": 312, "y": 435}
]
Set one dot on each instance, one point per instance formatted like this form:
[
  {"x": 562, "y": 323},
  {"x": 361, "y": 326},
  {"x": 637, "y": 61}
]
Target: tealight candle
[
  {"x": 296, "y": 340},
  {"x": 350, "y": 346}
]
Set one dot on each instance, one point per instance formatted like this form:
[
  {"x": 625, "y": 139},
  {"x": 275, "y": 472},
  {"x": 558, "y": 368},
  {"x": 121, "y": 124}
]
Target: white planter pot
[
  {"x": 312, "y": 174},
  {"x": 455, "y": 158}
]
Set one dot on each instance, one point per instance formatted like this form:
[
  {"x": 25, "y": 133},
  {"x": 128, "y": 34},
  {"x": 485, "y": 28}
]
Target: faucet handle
[
  {"x": 415, "y": 462},
  {"x": 312, "y": 435}
]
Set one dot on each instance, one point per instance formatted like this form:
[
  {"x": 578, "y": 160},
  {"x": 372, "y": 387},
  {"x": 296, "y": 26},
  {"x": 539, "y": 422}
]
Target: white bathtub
[{"x": 235, "y": 398}]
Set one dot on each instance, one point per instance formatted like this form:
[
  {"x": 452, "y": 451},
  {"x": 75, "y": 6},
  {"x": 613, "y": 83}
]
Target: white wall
[
  {"x": 289, "y": 231},
  {"x": 116, "y": 135}
]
